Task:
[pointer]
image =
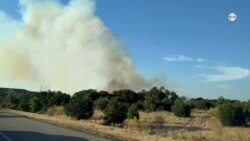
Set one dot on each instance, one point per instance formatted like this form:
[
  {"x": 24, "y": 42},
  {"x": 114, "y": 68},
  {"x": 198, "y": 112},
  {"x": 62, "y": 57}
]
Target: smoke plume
[{"x": 63, "y": 47}]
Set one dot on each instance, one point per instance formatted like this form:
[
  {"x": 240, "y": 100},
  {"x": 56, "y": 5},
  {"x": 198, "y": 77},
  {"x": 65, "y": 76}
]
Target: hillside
[{"x": 13, "y": 90}]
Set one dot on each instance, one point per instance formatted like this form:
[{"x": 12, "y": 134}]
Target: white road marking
[{"x": 5, "y": 137}]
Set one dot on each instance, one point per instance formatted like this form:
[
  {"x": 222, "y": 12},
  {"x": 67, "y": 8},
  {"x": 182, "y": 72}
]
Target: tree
[
  {"x": 101, "y": 103},
  {"x": 202, "y": 104},
  {"x": 35, "y": 105},
  {"x": 173, "y": 96},
  {"x": 181, "y": 109},
  {"x": 11, "y": 101},
  {"x": 127, "y": 96},
  {"x": 91, "y": 94},
  {"x": 231, "y": 114},
  {"x": 24, "y": 100},
  {"x": 58, "y": 99},
  {"x": 80, "y": 108},
  {"x": 247, "y": 111},
  {"x": 115, "y": 112},
  {"x": 149, "y": 105},
  {"x": 239, "y": 114},
  {"x": 166, "y": 104},
  {"x": 133, "y": 112}
]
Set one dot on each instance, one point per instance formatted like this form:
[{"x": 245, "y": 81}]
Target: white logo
[{"x": 232, "y": 17}]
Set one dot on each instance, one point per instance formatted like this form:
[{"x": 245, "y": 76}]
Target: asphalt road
[{"x": 16, "y": 128}]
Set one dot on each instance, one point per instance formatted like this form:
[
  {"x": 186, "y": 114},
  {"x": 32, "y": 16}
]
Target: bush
[
  {"x": 133, "y": 112},
  {"x": 80, "y": 108},
  {"x": 166, "y": 104},
  {"x": 149, "y": 105},
  {"x": 180, "y": 109},
  {"x": 202, "y": 104},
  {"x": 24, "y": 106},
  {"x": 239, "y": 114},
  {"x": 35, "y": 105},
  {"x": 115, "y": 112},
  {"x": 24, "y": 100},
  {"x": 247, "y": 111},
  {"x": 10, "y": 101},
  {"x": 101, "y": 103},
  {"x": 231, "y": 114},
  {"x": 90, "y": 94}
]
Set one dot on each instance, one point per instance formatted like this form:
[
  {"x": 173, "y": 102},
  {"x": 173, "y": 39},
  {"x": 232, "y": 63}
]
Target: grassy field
[{"x": 155, "y": 126}]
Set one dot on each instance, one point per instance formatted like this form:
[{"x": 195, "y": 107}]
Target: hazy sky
[{"x": 192, "y": 43}]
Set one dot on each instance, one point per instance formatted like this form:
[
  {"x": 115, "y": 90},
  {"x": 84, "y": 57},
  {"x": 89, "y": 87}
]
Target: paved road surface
[{"x": 16, "y": 128}]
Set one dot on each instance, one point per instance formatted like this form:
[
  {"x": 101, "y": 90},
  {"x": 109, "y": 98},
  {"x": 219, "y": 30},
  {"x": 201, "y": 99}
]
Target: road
[{"x": 17, "y": 128}]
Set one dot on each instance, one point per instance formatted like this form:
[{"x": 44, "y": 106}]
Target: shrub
[
  {"x": 180, "y": 109},
  {"x": 202, "y": 104},
  {"x": 133, "y": 112},
  {"x": 149, "y": 105},
  {"x": 101, "y": 103},
  {"x": 24, "y": 100},
  {"x": 79, "y": 108},
  {"x": 24, "y": 106},
  {"x": 166, "y": 104},
  {"x": 35, "y": 105},
  {"x": 239, "y": 116},
  {"x": 115, "y": 112},
  {"x": 126, "y": 96},
  {"x": 247, "y": 111},
  {"x": 10, "y": 101},
  {"x": 90, "y": 94},
  {"x": 231, "y": 114}
]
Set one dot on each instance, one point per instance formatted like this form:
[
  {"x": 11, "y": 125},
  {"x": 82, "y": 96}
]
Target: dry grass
[{"x": 155, "y": 126}]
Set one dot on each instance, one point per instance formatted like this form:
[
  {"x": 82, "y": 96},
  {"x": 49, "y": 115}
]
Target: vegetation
[
  {"x": 56, "y": 110},
  {"x": 80, "y": 108},
  {"x": 133, "y": 112},
  {"x": 101, "y": 103},
  {"x": 122, "y": 104},
  {"x": 181, "y": 109},
  {"x": 115, "y": 112},
  {"x": 232, "y": 114},
  {"x": 35, "y": 105}
]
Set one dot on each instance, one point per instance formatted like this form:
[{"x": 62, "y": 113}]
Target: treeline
[{"x": 122, "y": 104}]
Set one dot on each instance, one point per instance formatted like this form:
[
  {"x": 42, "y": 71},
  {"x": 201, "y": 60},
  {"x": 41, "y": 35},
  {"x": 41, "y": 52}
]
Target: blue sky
[{"x": 192, "y": 43}]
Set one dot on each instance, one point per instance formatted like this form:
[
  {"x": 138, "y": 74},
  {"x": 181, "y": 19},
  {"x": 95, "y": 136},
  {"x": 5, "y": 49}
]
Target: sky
[{"x": 192, "y": 43}]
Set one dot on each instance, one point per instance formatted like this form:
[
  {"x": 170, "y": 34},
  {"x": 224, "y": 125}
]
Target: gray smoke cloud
[{"x": 64, "y": 47}]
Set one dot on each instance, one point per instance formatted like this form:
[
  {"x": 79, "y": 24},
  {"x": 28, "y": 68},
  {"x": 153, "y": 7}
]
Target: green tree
[
  {"x": 231, "y": 114},
  {"x": 181, "y": 109},
  {"x": 173, "y": 96},
  {"x": 24, "y": 100},
  {"x": 90, "y": 94},
  {"x": 166, "y": 104},
  {"x": 35, "y": 105},
  {"x": 58, "y": 99},
  {"x": 80, "y": 108},
  {"x": 247, "y": 111},
  {"x": 126, "y": 96},
  {"x": 101, "y": 103},
  {"x": 115, "y": 112},
  {"x": 133, "y": 112},
  {"x": 11, "y": 101},
  {"x": 149, "y": 105},
  {"x": 202, "y": 104}
]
